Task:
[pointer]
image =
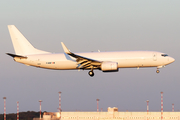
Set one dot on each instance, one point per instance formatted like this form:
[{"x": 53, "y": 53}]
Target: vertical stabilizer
[{"x": 21, "y": 44}]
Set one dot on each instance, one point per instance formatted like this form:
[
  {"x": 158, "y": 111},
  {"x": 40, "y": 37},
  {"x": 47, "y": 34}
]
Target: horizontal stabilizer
[{"x": 19, "y": 56}]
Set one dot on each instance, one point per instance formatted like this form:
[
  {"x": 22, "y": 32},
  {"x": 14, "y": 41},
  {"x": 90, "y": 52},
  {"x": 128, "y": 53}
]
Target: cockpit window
[{"x": 164, "y": 55}]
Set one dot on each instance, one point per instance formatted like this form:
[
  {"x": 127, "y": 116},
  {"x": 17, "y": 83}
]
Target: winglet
[{"x": 66, "y": 50}]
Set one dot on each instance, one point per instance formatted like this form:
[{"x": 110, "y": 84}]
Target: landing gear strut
[{"x": 91, "y": 73}]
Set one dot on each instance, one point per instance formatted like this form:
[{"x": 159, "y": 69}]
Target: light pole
[
  {"x": 17, "y": 110},
  {"x": 97, "y": 105},
  {"x": 40, "y": 108},
  {"x": 161, "y": 105},
  {"x": 4, "y": 108},
  {"x": 59, "y": 105},
  {"x": 173, "y": 107},
  {"x": 147, "y": 106}
]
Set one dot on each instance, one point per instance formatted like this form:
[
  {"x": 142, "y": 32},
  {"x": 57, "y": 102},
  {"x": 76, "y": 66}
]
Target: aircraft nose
[{"x": 171, "y": 60}]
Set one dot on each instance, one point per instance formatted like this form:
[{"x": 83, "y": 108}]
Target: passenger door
[{"x": 154, "y": 56}]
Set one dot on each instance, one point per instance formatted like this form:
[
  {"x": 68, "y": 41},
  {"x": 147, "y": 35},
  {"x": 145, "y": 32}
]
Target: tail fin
[{"x": 21, "y": 44}]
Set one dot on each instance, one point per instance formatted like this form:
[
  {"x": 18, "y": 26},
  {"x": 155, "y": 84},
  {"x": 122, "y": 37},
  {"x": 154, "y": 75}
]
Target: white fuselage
[
  {"x": 125, "y": 59},
  {"x": 105, "y": 61}
]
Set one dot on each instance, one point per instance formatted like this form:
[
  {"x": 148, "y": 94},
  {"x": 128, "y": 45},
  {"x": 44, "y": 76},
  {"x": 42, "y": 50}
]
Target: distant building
[
  {"x": 112, "y": 114},
  {"x": 114, "y": 109}
]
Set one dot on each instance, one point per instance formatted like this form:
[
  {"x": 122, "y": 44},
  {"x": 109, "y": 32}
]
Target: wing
[{"x": 83, "y": 62}]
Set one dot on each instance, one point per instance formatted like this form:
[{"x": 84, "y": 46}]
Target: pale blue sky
[{"x": 91, "y": 25}]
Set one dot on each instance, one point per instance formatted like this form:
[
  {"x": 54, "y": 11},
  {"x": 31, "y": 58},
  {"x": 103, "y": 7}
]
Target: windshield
[{"x": 164, "y": 55}]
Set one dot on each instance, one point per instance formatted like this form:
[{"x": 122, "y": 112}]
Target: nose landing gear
[{"x": 157, "y": 71}]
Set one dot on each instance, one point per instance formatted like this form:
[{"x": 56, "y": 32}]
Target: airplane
[{"x": 105, "y": 61}]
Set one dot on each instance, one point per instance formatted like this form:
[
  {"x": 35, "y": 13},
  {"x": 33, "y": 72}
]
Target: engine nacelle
[{"x": 109, "y": 66}]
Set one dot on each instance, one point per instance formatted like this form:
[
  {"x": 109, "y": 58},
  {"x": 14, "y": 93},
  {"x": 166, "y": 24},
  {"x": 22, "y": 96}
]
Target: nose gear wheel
[{"x": 157, "y": 71}]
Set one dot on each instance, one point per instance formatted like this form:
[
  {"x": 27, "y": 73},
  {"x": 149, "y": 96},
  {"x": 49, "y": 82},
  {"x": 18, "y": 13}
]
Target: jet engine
[{"x": 109, "y": 66}]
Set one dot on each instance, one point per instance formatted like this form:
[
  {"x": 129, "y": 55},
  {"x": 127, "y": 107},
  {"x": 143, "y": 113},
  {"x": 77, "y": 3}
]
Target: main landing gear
[{"x": 91, "y": 73}]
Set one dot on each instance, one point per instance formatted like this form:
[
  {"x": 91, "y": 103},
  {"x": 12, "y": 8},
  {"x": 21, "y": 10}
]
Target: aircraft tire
[
  {"x": 91, "y": 73},
  {"x": 157, "y": 71}
]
